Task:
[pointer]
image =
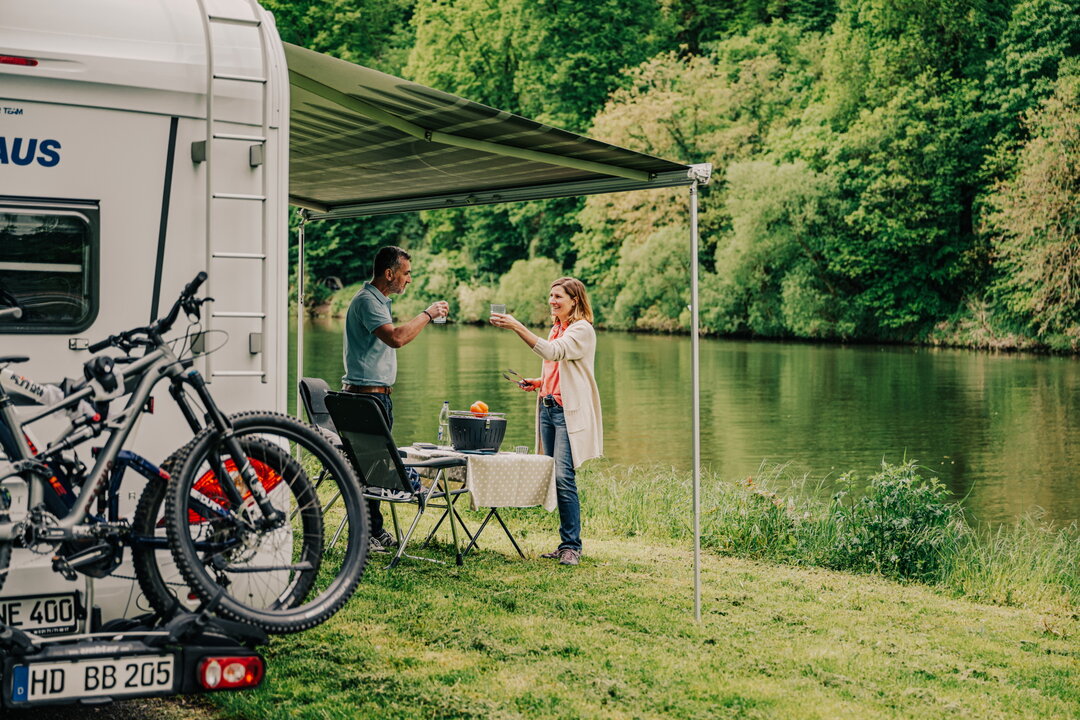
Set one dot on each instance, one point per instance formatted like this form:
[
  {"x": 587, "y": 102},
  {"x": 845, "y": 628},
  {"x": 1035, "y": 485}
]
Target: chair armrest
[{"x": 438, "y": 462}]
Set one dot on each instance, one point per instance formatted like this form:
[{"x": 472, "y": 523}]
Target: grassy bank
[
  {"x": 900, "y": 523},
  {"x": 614, "y": 638}
]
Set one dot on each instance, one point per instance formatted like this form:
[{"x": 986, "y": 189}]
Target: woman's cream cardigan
[{"x": 574, "y": 352}]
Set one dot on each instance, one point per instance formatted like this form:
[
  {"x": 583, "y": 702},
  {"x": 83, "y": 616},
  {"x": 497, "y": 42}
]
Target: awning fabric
[{"x": 367, "y": 143}]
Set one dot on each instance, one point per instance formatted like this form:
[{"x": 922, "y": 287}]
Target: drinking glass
[{"x": 501, "y": 309}]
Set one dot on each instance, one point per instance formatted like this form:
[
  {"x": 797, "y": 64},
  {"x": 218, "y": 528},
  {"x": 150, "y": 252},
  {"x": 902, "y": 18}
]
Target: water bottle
[{"x": 444, "y": 423}]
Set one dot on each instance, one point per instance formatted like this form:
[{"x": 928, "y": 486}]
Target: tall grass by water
[{"x": 900, "y": 523}]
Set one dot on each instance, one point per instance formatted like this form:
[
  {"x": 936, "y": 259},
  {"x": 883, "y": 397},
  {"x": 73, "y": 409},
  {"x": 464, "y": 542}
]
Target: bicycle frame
[{"x": 157, "y": 365}]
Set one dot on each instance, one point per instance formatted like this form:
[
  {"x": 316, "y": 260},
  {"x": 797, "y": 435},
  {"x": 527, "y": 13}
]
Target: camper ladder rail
[{"x": 257, "y": 141}]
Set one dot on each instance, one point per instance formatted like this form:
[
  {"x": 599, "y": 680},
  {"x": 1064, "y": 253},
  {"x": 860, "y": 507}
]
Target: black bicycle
[{"x": 235, "y": 506}]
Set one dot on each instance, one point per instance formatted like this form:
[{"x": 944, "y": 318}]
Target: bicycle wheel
[
  {"x": 258, "y": 553},
  {"x": 5, "y": 545},
  {"x": 159, "y": 579},
  {"x": 161, "y": 582}
]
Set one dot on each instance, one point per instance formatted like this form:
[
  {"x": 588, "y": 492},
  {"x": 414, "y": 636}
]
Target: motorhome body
[{"x": 140, "y": 143}]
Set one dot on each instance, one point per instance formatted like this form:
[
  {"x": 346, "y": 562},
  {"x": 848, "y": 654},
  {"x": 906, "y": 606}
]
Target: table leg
[
  {"x": 507, "y": 531},
  {"x": 477, "y": 535}
]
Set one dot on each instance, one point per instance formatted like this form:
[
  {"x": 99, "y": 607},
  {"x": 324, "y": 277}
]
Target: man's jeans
[
  {"x": 374, "y": 512},
  {"x": 556, "y": 442}
]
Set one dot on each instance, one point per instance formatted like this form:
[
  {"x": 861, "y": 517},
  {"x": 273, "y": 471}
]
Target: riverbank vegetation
[
  {"x": 900, "y": 523},
  {"x": 902, "y": 171},
  {"x": 923, "y": 617}
]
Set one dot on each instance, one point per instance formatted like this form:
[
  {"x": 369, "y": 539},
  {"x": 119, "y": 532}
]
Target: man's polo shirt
[{"x": 368, "y": 360}]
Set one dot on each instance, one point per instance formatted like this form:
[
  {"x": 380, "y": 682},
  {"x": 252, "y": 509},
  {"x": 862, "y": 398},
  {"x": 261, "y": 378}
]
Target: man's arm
[{"x": 405, "y": 333}]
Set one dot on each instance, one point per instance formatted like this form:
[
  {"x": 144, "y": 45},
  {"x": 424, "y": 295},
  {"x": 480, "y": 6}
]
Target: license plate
[
  {"x": 41, "y": 614},
  {"x": 99, "y": 677}
]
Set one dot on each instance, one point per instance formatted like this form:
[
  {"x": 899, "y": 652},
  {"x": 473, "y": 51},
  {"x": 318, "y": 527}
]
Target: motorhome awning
[{"x": 366, "y": 143}]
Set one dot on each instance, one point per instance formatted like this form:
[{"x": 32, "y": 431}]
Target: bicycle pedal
[{"x": 61, "y": 566}]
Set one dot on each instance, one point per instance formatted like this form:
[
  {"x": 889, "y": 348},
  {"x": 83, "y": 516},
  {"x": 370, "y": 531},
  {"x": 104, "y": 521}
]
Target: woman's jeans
[{"x": 556, "y": 443}]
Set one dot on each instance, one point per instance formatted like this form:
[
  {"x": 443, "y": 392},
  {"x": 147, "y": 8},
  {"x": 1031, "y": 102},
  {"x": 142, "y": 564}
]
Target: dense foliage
[{"x": 883, "y": 169}]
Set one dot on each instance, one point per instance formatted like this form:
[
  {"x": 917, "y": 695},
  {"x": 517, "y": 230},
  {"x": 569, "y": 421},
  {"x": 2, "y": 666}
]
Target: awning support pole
[
  {"x": 303, "y": 215},
  {"x": 695, "y": 371},
  {"x": 700, "y": 175}
]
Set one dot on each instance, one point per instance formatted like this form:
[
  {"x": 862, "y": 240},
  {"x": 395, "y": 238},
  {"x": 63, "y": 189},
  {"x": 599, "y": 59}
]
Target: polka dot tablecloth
[{"x": 502, "y": 479}]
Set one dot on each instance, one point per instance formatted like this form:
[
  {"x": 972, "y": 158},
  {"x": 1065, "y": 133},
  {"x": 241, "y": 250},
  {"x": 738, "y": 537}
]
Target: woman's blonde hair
[{"x": 575, "y": 289}]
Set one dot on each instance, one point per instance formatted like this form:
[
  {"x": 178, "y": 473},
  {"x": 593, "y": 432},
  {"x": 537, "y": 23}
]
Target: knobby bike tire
[
  {"x": 161, "y": 582},
  {"x": 160, "y": 592},
  {"x": 5, "y": 552},
  {"x": 230, "y": 562}
]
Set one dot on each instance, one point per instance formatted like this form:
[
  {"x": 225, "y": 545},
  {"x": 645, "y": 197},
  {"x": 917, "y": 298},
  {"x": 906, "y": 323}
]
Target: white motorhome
[{"x": 139, "y": 144}]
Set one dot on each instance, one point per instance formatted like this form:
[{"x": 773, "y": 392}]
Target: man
[{"x": 371, "y": 343}]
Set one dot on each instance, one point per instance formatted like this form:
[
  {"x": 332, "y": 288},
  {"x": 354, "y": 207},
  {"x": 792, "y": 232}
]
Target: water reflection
[{"x": 1000, "y": 430}]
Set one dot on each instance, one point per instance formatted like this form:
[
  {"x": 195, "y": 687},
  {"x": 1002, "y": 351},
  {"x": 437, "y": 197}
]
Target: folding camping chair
[
  {"x": 313, "y": 395},
  {"x": 370, "y": 447}
]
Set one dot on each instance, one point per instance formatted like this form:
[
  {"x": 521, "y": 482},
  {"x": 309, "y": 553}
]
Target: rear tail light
[
  {"x": 16, "y": 60},
  {"x": 231, "y": 672}
]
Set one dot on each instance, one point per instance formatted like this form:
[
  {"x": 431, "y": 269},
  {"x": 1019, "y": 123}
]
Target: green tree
[
  {"x": 653, "y": 280},
  {"x": 905, "y": 251},
  {"x": 1035, "y": 219},
  {"x": 717, "y": 108},
  {"x": 877, "y": 46},
  {"x": 1040, "y": 35},
  {"x": 374, "y": 33},
  {"x": 524, "y": 289},
  {"x": 772, "y": 277},
  {"x": 346, "y": 248},
  {"x": 574, "y": 52},
  {"x": 555, "y": 62}
]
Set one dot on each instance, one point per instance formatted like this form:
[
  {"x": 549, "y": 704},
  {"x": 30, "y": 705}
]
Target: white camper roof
[
  {"x": 366, "y": 143},
  {"x": 125, "y": 54}
]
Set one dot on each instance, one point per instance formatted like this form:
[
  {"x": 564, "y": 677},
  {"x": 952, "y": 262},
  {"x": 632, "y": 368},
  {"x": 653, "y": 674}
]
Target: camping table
[{"x": 502, "y": 479}]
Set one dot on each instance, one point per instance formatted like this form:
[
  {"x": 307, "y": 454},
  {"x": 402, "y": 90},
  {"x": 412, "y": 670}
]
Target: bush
[
  {"x": 898, "y": 525},
  {"x": 474, "y": 302},
  {"x": 524, "y": 289},
  {"x": 652, "y": 275},
  {"x": 902, "y": 526}
]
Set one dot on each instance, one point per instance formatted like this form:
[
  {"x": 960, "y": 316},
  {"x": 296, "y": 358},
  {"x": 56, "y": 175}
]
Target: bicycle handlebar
[{"x": 160, "y": 326}]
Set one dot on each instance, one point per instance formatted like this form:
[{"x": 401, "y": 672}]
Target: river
[{"x": 1002, "y": 431}]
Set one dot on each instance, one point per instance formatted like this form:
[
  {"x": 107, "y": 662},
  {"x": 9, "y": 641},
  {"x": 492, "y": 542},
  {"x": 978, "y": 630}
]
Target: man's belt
[{"x": 377, "y": 389}]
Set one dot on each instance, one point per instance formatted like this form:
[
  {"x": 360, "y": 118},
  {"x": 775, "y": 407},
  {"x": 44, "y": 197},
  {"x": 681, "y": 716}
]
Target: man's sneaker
[
  {"x": 382, "y": 542},
  {"x": 386, "y": 494},
  {"x": 569, "y": 556},
  {"x": 553, "y": 555}
]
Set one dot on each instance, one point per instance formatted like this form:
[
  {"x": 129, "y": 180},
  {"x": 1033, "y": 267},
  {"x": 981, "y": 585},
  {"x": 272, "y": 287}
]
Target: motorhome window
[{"x": 47, "y": 269}]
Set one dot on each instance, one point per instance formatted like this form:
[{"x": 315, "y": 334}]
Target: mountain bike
[{"x": 241, "y": 518}]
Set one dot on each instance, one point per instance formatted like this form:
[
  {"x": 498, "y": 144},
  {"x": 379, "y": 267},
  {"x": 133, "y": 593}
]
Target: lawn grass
[{"x": 615, "y": 638}]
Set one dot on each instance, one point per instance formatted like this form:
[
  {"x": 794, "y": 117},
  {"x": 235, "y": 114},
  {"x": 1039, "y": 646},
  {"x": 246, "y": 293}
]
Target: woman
[{"x": 568, "y": 423}]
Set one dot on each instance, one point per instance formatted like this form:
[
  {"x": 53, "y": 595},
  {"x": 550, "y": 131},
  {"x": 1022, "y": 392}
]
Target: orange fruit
[{"x": 479, "y": 408}]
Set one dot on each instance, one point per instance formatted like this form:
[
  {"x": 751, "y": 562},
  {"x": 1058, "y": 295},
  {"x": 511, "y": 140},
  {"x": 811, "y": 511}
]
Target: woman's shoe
[{"x": 569, "y": 556}]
